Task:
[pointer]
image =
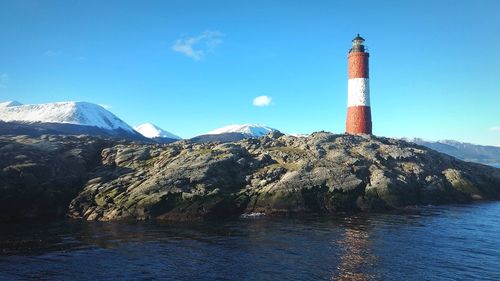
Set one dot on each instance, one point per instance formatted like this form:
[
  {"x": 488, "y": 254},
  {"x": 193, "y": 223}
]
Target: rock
[
  {"x": 274, "y": 134},
  {"x": 278, "y": 174},
  {"x": 40, "y": 176},
  {"x": 98, "y": 179}
]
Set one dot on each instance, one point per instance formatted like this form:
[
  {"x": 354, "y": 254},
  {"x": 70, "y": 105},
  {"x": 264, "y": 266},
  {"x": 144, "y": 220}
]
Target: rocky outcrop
[
  {"x": 40, "y": 176},
  {"x": 276, "y": 174},
  {"x": 102, "y": 179}
]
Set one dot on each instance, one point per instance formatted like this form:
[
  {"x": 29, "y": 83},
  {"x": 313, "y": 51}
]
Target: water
[{"x": 459, "y": 242}]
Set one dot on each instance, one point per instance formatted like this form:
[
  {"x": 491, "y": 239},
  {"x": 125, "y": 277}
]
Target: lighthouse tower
[{"x": 359, "y": 119}]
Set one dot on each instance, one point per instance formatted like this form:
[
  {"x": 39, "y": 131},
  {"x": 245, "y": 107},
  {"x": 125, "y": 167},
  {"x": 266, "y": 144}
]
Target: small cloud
[
  {"x": 262, "y": 101},
  {"x": 106, "y": 106},
  {"x": 51, "y": 53},
  {"x": 495, "y": 128},
  {"x": 4, "y": 78},
  {"x": 198, "y": 46}
]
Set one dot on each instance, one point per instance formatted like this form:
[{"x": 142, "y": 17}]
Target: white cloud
[
  {"x": 198, "y": 46},
  {"x": 262, "y": 101},
  {"x": 495, "y": 128},
  {"x": 4, "y": 78}
]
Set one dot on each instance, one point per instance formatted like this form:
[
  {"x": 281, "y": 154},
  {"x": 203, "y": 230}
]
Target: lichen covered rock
[
  {"x": 102, "y": 179},
  {"x": 276, "y": 174}
]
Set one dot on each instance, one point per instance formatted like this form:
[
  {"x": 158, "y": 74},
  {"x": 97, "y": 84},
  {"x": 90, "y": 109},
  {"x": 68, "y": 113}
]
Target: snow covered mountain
[
  {"x": 62, "y": 118},
  {"x": 154, "y": 132},
  {"x": 234, "y": 132},
  {"x": 78, "y": 113},
  {"x": 9, "y": 103},
  {"x": 253, "y": 130},
  {"x": 489, "y": 155}
]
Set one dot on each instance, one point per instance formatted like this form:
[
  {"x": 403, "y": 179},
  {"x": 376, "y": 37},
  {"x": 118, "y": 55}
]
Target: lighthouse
[{"x": 359, "y": 119}]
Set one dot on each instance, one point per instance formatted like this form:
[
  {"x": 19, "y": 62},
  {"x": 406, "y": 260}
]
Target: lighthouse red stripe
[
  {"x": 359, "y": 120},
  {"x": 358, "y": 65}
]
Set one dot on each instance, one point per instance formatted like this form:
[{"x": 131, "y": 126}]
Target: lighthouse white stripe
[{"x": 358, "y": 92}]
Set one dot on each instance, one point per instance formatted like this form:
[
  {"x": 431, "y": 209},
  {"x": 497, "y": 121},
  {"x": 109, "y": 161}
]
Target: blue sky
[{"x": 192, "y": 66}]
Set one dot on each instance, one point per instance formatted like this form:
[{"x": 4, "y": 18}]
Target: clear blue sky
[{"x": 192, "y": 66}]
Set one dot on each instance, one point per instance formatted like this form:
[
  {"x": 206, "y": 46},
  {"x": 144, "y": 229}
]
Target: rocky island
[{"x": 103, "y": 179}]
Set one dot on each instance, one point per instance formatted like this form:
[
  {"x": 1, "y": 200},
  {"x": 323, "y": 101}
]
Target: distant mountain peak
[
  {"x": 70, "y": 112},
  {"x": 150, "y": 130},
  {"x": 255, "y": 130},
  {"x": 10, "y": 103}
]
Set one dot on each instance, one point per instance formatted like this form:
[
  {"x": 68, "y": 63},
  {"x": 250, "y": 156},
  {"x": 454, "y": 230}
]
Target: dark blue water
[{"x": 430, "y": 243}]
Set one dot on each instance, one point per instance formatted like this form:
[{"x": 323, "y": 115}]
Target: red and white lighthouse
[{"x": 359, "y": 119}]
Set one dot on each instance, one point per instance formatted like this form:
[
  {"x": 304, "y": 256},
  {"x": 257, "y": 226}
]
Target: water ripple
[{"x": 460, "y": 242}]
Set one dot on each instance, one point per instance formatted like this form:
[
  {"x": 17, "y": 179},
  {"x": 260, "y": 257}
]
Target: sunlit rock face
[
  {"x": 276, "y": 174},
  {"x": 105, "y": 179}
]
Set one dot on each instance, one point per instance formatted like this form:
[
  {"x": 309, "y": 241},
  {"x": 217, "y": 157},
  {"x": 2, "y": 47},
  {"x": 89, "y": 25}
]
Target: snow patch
[
  {"x": 152, "y": 131},
  {"x": 254, "y": 130}
]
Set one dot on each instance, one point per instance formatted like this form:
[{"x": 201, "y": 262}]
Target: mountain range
[
  {"x": 63, "y": 118},
  {"x": 84, "y": 118},
  {"x": 234, "y": 132},
  {"x": 489, "y": 155}
]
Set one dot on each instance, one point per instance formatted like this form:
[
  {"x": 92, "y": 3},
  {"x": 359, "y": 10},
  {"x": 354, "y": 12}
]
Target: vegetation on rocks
[{"x": 275, "y": 174}]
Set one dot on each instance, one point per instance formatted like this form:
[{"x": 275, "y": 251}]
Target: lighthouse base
[{"x": 359, "y": 120}]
